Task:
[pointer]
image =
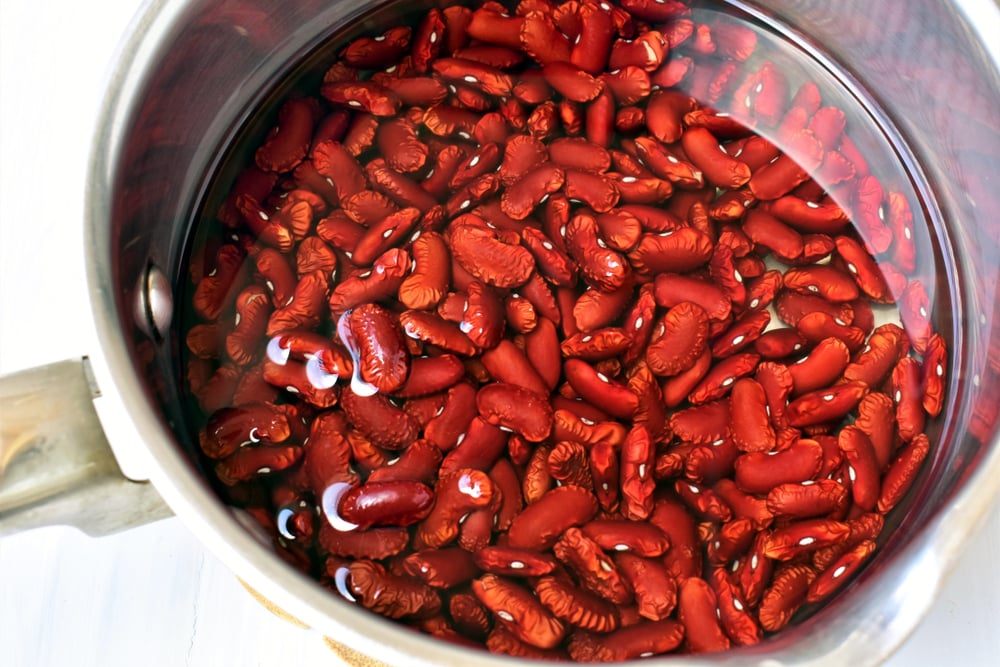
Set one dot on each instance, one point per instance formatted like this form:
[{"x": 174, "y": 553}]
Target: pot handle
[{"x": 56, "y": 466}]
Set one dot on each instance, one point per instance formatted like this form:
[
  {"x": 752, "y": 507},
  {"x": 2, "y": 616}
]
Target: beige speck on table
[{"x": 153, "y": 596}]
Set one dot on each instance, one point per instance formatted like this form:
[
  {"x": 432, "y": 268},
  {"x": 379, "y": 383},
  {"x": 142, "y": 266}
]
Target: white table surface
[{"x": 153, "y": 595}]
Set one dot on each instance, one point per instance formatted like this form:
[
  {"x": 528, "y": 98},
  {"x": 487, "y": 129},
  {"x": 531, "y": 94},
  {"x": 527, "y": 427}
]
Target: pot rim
[{"x": 927, "y": 558}]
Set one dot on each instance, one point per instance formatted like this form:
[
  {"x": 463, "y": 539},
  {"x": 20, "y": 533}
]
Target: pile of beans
[{"x": 510, "y": 335}]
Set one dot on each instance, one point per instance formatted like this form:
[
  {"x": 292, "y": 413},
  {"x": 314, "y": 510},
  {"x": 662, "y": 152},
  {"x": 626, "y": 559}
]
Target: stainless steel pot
[{"x": 188, "y": 76}]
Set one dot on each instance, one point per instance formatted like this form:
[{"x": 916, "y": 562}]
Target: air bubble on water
[
  {"x": 285, "y": 515},
  {"x": 468, "y": 487},
  {"x": 330, "y": 503},
  {"x": 318, "y": 376},
  {"x": 340, "y": 580}
]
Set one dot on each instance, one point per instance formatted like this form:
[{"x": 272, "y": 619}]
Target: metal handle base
[{"x": 56, "y": 467}]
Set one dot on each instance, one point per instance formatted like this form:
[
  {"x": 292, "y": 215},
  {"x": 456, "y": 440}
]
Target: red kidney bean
[
  {"x": 593, "y": 568},
  {"x": 806, "y": 499},
  {"x": 839, "y": 571},
  {"x": 232, "y": 428},
  {"x": 522, "y": 359},
  {"x": 386, "y": 503},
  {"x": 760, "y": 472},
  {"x": 568, "y": 464},
  {"x": 519, "y": 611},
  {"x": 679, "y": 340},
  {"x": 383, "y": 360},
  {"x": 543, "y": 522},
  {"x": 787, "y": 592},
  {"x": 517, "y": 409},
  {"x": 696, "y": 609},
  {"x": 875, "y": 417},
  {"x": 750, "y": 414},
  {"x": 480, "y": 446},
  {"x": 576, "y": 606}
]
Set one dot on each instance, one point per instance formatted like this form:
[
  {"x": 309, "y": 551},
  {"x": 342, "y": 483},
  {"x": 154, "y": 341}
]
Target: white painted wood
[{"x": 153, "y": 596}]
